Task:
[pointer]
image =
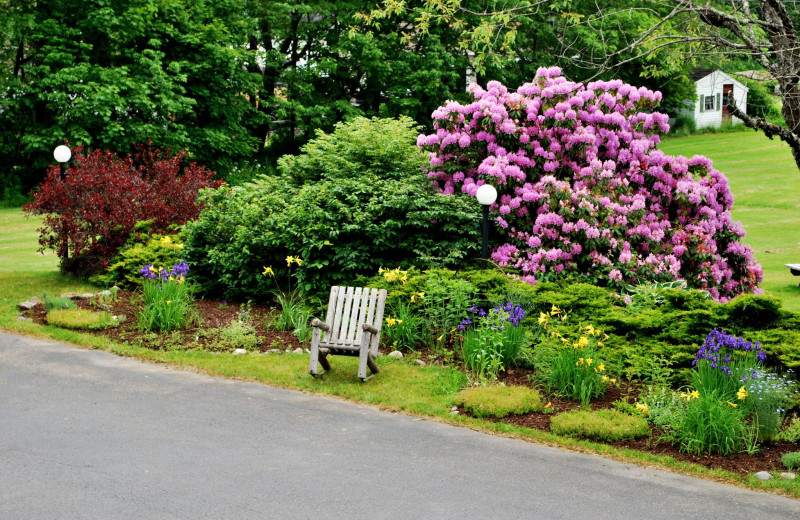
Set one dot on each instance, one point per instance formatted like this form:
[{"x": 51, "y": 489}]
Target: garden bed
[{"x": 214, "y": 314}]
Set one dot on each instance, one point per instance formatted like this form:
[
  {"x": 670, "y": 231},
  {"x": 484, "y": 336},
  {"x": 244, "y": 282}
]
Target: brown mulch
[{"x": 213, "y": 313}]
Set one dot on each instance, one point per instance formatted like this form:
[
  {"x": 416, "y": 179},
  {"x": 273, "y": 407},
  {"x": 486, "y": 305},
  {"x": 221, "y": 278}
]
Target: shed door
[{"x": 727, "y": 94}]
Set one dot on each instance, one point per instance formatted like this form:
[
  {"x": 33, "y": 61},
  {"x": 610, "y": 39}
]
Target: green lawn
[{"x": 766, "y": 187}]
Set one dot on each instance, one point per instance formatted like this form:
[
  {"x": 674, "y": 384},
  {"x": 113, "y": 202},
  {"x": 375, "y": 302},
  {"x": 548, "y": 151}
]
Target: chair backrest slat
[
  {"x": 345, "y": 323},
  {"x": 337, "y": 317},
  {"x": 354, "y": 316},
  {"x": 332, "y": 301},
  {"x": 363, "y": 305}
]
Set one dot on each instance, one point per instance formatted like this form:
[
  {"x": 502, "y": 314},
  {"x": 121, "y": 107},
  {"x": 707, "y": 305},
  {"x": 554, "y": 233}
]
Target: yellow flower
[
  {"x": 588, "y": 361},
  {"x": 583, "y": 341},
  {"x": 643, "y": 408},
  {"x": 694, "y": 394},
  {"x": 153, "y": 269},
  {"x": 289, "y": 260},
  {"x": 742, "y": 393},
  {"x": 169, "y": 301},
  {"x": 601, "y": 367},
  {"x": 381, "y": 270},
  {"x": 390, "y": 322},
  {"x": 732, "y": 405},
  {"x": 589, "y": 329},
  {"x": 604, "y": 378},
  {"x": 170, "y": 279},
  {"x": 548, "y": 405},
  {"x": 564, "y": 317},
  {"x": 166, "y": 240},
  {"x": 543, "y": 318},
  {"x": 613, "y": 380},
  {"x": 554, "y": 310},
  {"x": 416, "y": 295},
  {"x": 180, "y": 280},
  {"x": 268, "y": 271}
]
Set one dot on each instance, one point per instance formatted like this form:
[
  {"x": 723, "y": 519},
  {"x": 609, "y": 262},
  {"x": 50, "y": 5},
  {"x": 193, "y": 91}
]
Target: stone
[
  {"x": 70, "y": 295},
  {"x": 788, "y": 475},
  {"x": 298, "y": 350},
  {"x": 420, "y": 362},
  {"x": 29, "y": 304},
  {"x": 396, "y": 354},
  {"x": 306, "y": 351},
  {"x": 84, "y": 296},
  {"x": 453, "y": 412},
  {"x": 454, "y": 409},
  {"x": 239, "y": 352},
  {"x": 763, "y": 475},
  {"x": 105, "y": 293},
  {"x": 22, "y": 318},
  {"x": 274, "y": 351}
]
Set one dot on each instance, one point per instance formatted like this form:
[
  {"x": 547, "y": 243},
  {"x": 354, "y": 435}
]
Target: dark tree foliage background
[{"x": 240, "y": 82}]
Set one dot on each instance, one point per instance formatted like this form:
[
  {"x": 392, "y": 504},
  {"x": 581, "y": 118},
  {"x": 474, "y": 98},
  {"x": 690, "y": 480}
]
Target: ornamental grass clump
[
  {"x": 167, "y": 298},
  {"x": 570, "y": 365},
  {"x": 492, "y": 340}
]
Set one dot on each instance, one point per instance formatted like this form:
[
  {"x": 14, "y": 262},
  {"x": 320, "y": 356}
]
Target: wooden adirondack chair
[{"x": 351, "y": 328}]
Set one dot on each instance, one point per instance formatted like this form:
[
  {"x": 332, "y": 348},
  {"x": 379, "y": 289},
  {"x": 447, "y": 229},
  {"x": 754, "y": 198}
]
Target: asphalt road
[{"x": 86, "y": 434}]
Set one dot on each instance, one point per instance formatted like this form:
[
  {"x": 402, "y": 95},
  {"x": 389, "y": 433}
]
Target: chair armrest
[
  {"x": 369, "y": 328},
  {"x": 320, "y": 325}
]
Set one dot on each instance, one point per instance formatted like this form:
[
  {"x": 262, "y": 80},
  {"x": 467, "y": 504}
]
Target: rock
[
  {"x": 420, "y": 362},
  {"x": 396, "y": 354},
  {"x": 22, "y": 318},
  {"x": 298, "y": 350},
  {"x": 454, "y": 409},
  {"x": 763, "y": 475},
  {"x": 29, "y": 304},
  {"x": 105, "y": 293},
  {"x": 84, "y": 296},
  {"x": 70, "y": 295},
  {"x": 306, "y": 351},
  {"x": 453, "y": 412},
  {"x": 239, "y": 352},
  {"x": 788, "y": 475},
  {"x": 273, "y": 351}
]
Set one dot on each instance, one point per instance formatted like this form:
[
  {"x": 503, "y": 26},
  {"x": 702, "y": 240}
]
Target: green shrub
[
  {"x": 351, "y": 218},
  {"x": 402, "y": 327},
  {"x": 83, "y": 319},
  {"x": 791, "y": 431},
  {"x": 123, "y": 269},
  {"x": 499, "y": 401},
  {"x": 52, "y": 303},
  {"x": 791, "y": 460},
  {"x": 602, "y": 425}
]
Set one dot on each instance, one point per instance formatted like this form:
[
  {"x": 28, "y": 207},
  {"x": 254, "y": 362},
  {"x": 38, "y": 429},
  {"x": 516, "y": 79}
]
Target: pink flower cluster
[{"x": 583, "y": 189}]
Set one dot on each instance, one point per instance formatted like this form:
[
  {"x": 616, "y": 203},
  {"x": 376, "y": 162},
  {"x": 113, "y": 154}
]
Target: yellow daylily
[
  {"x": 601, "y": 367},
  {"x": 268, "y": 271},
  {"x": 643, "y": 408},
  {"x": 742, "y": 393},
  {"x": 543, "y": 318},
  {"x": 733, "y": 405},
  {"x": 548, "y": 405},
  {"x": 416, "y": 295},
  {"x": 169, "y": 301},
  {"x": 694, "y": 394},
  {"x": 166, "y": 240},
  {"x": 583, "y": 341},
  {"x": 554, "y": 310}
]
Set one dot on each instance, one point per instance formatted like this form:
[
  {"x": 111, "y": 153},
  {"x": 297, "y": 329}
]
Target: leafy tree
[{"x": 108, "y": 75}]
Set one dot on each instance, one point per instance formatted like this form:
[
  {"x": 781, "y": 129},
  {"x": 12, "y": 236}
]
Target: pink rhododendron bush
[{"x": 583, "y": 191}]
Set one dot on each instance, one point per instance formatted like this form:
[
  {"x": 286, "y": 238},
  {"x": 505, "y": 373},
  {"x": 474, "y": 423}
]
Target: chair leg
[
  {"x": 365, "y": 359},
  {"x": 323, "y": 359},
  {"x": 314, "y": 357}
]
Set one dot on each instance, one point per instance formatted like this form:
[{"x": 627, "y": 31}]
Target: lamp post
[
  {"x": 62, "y": 154},
  {"x": 486, "y": 195}
]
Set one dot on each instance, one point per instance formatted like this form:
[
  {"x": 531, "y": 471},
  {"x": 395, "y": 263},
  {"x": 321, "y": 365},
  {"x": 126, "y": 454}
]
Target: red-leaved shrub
[{"x": 91, "y": 213}]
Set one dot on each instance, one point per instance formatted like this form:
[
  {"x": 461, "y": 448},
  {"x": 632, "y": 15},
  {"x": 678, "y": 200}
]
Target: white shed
[{"x": 713, "y": 89}]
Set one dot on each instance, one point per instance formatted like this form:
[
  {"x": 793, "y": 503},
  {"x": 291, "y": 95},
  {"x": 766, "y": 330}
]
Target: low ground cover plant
[
  {"x": 791, "y": 460},
  {"x": 498, "y": 400},
  {"x": 83, "y": 319},
  {"x": 602, "y": 425},
  {"x": 52, "y": 303}
]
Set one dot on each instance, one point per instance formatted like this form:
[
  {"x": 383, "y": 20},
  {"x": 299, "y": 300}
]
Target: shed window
[{"x": 709, "y": 103}]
